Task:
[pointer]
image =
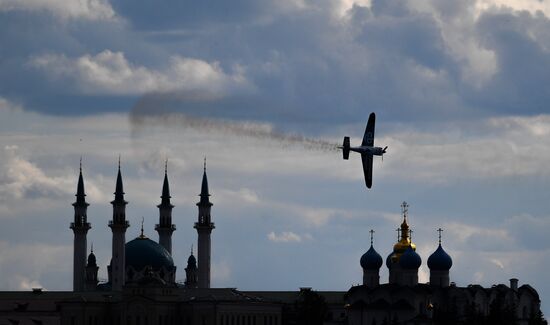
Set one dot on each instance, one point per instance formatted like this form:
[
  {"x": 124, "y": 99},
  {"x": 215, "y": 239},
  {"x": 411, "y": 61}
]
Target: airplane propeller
[{"x": 383, "y": 152}]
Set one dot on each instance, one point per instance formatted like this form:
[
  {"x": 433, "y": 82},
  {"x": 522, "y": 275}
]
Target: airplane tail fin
[{"x": 345, "y": 148}]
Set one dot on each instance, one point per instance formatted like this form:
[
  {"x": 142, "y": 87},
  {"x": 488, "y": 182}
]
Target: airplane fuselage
[
  {"x": 374, "y": 151},
  {"x": 366, "y": 149}
]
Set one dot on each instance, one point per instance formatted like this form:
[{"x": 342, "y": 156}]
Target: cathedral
[
  {"x": 141, "y": 288},
  {"x": 405, "y": 301}
]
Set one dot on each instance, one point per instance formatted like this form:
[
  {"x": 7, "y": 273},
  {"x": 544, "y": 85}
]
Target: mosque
[{"x": 141, "y": 288}]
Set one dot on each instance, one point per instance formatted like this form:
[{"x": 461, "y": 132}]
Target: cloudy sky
[{"x": 264, "y": 89}]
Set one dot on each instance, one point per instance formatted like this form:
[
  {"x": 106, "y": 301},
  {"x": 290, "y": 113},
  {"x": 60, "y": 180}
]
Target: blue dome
[
  {"x": 410, "y": 260},
  {"x": 371, "y": 260},
  {"x": 388, "y": 260},
  {"x": 440, "y": 260},
  {"x": 142, "y": 252}
]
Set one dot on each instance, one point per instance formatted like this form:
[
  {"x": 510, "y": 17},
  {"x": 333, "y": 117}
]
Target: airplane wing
[
  {"x": 368, "y": 137},
  {"x": 367, "y": 168}
]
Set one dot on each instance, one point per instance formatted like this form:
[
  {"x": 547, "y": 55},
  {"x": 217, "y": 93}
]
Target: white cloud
[
  {"x": 19, "y": 178},
  {"x": 284, "y": 237},
  {"x": 25, "y": 284},
  {"x": 23, "y": 265},
  {"x": 110, "y": 72},
  {"x": 221, "y": 273},
  {"x": 497, "y": 147},
  {"x": 73, "y": 9},
  {"x": 532, "y": 6},
  {"x": 7, "y": 106},
  {"x": 497, "y": 262},
  {"x": 471, "y": 237},
  {"x": 34, "y": 188},
  {"x": 342, "y": 7}
]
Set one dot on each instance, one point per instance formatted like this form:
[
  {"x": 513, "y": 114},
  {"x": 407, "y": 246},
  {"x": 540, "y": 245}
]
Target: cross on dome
[
  {"x": 405, "y": 209},
  {"x": 371, "y": 236}
]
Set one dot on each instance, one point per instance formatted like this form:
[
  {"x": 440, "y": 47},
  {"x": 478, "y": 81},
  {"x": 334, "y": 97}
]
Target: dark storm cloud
[
  {"x": 169, "y": 14},
  {"x": 310, "y": 71},
  {"x": 521, "y": 45},
  {"x": 306, "y": 64}
]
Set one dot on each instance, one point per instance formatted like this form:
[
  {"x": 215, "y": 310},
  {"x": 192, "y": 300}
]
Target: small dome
[
  {"x": 410, "y": 260},
  {"x": 371, "y": 260},
  {"x": 440, "y": 260},
  {"x": 142, "y": 252},
  {"x": 92, "y": 260},
  {"x": 191, "y": 262}
]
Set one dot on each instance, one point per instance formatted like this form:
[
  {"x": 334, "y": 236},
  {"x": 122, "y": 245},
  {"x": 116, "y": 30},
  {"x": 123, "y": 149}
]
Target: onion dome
[
  {"x": 388, "y": 260},
  {"x": 410, "y": 260},
  {"x": 91, "y": 259},
  {"x": 142, "y": 252},
  {"x": 371, "y": 260},
  {"x": 440, "y": 260}
]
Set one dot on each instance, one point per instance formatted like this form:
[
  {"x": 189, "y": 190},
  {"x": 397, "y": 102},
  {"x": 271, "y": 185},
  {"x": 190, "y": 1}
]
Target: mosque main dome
[{"x": 142, "y": 252}]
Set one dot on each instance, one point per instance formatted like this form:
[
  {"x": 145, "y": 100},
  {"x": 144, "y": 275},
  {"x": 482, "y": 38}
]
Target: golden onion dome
[{"x": 405, "y": 241}]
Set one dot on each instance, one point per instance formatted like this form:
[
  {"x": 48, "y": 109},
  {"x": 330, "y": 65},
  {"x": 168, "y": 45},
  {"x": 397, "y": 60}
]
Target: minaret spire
[
  {"x": 439, "y": 231},
  {"x": 119, "y": 224},
  {"x": 204, "y": 187},
  {"x": 119, "y": 190},
  {"x": 204, "y": 227},
  {"x": 165, "y": 188},
  {"x": 80, "y": 227},
  {"x": 80, "y": 195},
  {"x": 165, "y": 228}
]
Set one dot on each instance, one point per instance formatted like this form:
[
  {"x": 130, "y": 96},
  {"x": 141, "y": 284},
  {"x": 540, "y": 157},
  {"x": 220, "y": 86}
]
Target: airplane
[{"x": 367, "y": 150}]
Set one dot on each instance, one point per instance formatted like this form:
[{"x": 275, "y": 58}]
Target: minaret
[
  {"x": 91, "y": 272},
  {"x": 118, "y": 225},
  {"x": 204, "y": 228},
  {"x": 165, "y": 228},
  {"x": 80, "y": 227},
  {"x": 191, "y": 272}
]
